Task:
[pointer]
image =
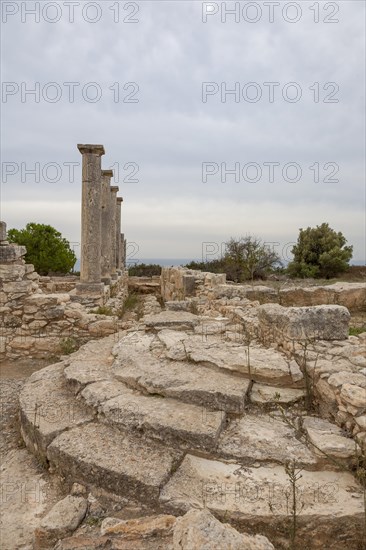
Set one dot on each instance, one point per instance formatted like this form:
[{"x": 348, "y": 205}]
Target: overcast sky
[{"x": 170, "y": 130}]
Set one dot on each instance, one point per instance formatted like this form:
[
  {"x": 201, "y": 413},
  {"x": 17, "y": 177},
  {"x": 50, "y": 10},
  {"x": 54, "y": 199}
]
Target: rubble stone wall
[
  {"x": 179, "y": 283},
  {"x": 38, "y": 324}
]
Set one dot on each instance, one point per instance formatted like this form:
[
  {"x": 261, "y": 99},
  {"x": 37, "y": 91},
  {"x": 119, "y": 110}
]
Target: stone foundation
[
  {"x": 38, "y": 324},
  {"x": 178, "y": 283}
]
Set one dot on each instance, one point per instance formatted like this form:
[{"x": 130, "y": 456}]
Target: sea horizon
[{"x": 170, "y": 262}]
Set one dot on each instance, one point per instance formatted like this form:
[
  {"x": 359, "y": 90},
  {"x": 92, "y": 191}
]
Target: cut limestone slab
[
  {"x": 329, "y": 438},
  {"x": 264, "y": 365},
  {"x": 258, "y": 499},
  {"x": 102, "y": 456},
  {"x": 179, "y": 320},
  {"x": 262, "y": 394},
  {"x": 159, "y": 417},
  {"x": 47, "y": 408},
  {"x": 325, "y": 322},
  {"x": 264, "y": 438},
  {"x": 184, "y": 381},
  {"x": 200, "y": 530}
]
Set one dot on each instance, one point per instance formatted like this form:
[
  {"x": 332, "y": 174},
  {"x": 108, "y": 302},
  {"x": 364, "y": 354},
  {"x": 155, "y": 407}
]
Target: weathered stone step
[
  {"x": 47, "y": 408},
  {"x": 260, "y": 499},
  {"x": 91, "y": 363},
  {"x": 176, "y": 320},
  {"x": 159, "y": 417},
  {"x": 257, "y": 363},
  {"x": 264, "y": 438},
  {"x": 120, "y": 463},
  {"x": 185, "y": 381}
]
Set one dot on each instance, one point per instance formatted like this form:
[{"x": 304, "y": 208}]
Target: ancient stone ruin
[
  {"x": 39, "y": 316},
  {"x": 102, "y": 244},
  {"x": 199, "y": 411},
  {"x": 222, "y": 416}
]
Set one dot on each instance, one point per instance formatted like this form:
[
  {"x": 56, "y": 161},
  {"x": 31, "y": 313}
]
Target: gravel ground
[{"x": 26, "y": 490}]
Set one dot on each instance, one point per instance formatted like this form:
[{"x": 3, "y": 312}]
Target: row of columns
[{"x": 102, "y": 244}]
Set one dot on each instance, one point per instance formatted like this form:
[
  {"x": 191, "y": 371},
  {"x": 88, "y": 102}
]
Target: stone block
[
  {"x": 12, "y": 253},
  {"x": 61, "y": 520},
  {"x": 90, "y": 289},
  {"x": 304, "y": 323},
  {"x": 12, "y": 272},
  {"x": 200, "y": 530}
]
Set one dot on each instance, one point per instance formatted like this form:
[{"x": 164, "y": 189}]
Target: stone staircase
[{"x": 169, "y": 416}]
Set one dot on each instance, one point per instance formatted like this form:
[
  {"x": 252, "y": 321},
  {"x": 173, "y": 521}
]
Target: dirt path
[{"x": 27, "y": 491}]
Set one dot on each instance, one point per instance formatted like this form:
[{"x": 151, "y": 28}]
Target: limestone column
[
  {"x": 122, "y": 244},
  {"x": 90, "y": 270},
  {"x": 106, "y": 250},
  {"x": 113, "y": 224},
  {"x": 118, "y": 233}
]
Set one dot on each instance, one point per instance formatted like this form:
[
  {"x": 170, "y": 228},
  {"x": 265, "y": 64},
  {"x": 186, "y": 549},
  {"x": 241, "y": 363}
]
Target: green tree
[
  {"x": 245, "y": 258},
  {"x": 47, "y": 250},
  {"x": 320, "y": 252},
  {"x": 248, "y": 258}
]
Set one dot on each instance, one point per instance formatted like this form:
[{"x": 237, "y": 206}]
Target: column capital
[
  {"x": 114, "y": 188},
  {"x": 108, "y": 173},
  {"x": 119, "y": 199},
  {"x": 91, "y": 149}
]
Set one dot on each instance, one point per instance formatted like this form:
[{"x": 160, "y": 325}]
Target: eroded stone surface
[
  {"x": 152, "y": 526},
  {"x": 172, "y": 319},
  {"x": 330, "y": 501},
  {"x": 326, "y": 322},
  {"x": 263, "y": 365},
  {"x": 184, "y": 381},
  {"x": 262, "y": 394},
  {"x": 200, "y": 530},
  {"x": 47, "y": 408},
  {"x": 264, "y": 438},
  {"x": 354, "y": 395},
  {"x": 61, "y": 520},
  {"x": 328, "y": 439},
  {"x": 99, "y": 455},
  {"x": 163, "y": 418}
]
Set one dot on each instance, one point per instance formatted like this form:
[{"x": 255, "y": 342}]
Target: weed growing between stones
[
  {"x": 293, "y": 505},
  {"x": 309, "y": 380},
  {"x": 247, "y": 340},
  {"x": 356, "y": 331},
  {"x": 68, "y": 345},
  {"x": 294, "y": 474},
  {"x": 34, "y": 426}
]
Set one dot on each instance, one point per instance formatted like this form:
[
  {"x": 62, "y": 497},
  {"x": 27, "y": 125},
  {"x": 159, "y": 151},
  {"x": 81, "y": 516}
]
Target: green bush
[
  {"x": 320, "y": 252},
  {"x": 144, "y": 270},
  {"x": 246, "y": 258},
  {"x": 68, "y": 345}
]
